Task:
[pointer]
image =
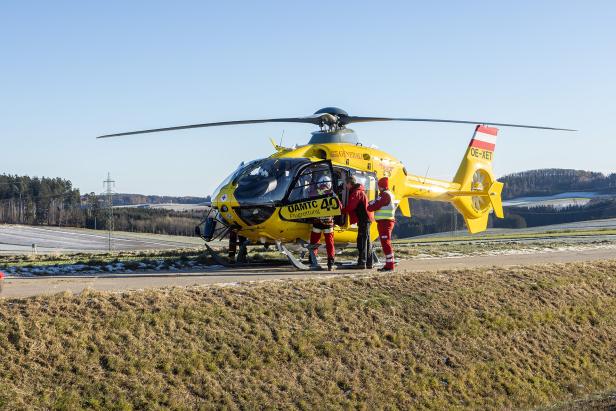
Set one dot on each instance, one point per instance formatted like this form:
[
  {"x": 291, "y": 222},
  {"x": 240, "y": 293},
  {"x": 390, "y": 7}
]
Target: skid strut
[
  {"x": 215, "y": 256},
  {"x": 294, "y": 261}
]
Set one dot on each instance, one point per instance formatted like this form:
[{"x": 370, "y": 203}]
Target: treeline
[
  {"x": 552, "y": 181},
  {"x": 39, "y": 201},
  {"x": 156, "y": 221},
  {"x": 54, "y": 202}
]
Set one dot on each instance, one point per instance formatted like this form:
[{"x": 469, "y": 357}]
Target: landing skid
[
  {"x": 294, "y": 261},
  {"x": 216, "y": 257},
  {"x": 314, "y": 263}
]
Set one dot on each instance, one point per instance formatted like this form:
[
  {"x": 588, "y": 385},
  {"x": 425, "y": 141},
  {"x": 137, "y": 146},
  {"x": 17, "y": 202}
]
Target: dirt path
[{"x": 26, "y": 287}]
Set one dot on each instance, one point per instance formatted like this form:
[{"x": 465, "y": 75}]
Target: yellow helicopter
[{"x": 272, "y": 201}]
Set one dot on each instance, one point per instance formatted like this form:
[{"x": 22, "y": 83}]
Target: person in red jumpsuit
[
  {"x": 323, "y": 225},
  {"x": 384, "y": 208}
]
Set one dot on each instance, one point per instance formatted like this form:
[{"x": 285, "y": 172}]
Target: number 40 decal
[{"x": 330, "y": 203}]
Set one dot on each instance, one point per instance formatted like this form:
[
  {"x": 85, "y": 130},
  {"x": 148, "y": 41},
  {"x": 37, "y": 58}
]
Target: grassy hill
[{"x": 492, "y": 338}]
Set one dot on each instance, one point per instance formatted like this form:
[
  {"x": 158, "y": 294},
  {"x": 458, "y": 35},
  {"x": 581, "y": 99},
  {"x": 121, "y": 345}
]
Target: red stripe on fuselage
[{"x": 482, "y": 145}]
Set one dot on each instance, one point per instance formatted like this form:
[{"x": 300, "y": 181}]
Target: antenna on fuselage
[{"x": 426, "y": 176}]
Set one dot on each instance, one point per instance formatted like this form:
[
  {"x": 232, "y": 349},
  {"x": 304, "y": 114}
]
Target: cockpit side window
[{"x": 313, "y": 181}]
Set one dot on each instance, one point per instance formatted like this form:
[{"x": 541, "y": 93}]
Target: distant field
[
  {"x": 519, "y": 338},
  {"x": 561, "y": 200}
]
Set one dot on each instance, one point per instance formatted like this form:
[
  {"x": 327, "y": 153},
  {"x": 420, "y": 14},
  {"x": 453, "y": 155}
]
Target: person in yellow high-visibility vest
[{"x": 384, "y": 208}]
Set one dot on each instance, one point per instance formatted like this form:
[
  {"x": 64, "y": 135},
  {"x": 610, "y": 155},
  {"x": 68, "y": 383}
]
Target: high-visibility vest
[{"x": 387, "y": 212}]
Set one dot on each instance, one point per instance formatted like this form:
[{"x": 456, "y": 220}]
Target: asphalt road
[{"x": 26, "y": 287}]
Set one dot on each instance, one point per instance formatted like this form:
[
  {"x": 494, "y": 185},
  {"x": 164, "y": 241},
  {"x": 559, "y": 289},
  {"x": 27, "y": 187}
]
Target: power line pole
[{"x": 109, "y": 185}]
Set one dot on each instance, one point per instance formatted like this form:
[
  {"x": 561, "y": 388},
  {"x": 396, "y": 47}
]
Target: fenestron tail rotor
[
  {"x": 328, "y": 119},
  {"x": 480, "y": 183}
]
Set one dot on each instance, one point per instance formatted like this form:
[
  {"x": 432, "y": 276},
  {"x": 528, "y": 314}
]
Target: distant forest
[
  {"x": 552, "y": 181},
  {"x": 39, "y": 201},
  {"x": 55, "y": 202}
]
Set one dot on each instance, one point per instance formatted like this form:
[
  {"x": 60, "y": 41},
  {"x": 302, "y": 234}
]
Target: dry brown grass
[{"x": 491, "y": 338}]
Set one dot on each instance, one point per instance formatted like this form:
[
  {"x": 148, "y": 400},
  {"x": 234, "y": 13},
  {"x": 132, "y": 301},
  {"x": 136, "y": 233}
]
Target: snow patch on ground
[{"x": 110, "y": 268}]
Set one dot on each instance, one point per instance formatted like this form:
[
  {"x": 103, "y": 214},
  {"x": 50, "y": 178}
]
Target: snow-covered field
[
  {"x": 20, "y": 239},
  {"x": 562, "y": 200}
]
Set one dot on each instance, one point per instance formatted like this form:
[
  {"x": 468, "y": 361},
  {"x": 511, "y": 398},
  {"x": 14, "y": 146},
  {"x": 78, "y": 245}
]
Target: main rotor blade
[
  {"x": 361, "y": 119},
  {"x": 309, "y": 120}
]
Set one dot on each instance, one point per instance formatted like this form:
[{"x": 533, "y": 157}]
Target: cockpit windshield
[
  {"x": 266, "y": 181},
  {"x": 231, "y": 177}
]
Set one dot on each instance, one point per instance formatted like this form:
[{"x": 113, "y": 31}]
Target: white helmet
[{"x": 324, "y": 185}]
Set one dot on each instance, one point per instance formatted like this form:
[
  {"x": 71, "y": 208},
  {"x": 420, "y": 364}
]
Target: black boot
[{"x": 330, "y": 264}]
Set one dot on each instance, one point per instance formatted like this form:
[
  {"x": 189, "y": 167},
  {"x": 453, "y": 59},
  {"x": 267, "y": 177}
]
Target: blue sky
[{"x": 72, "y": 70}]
